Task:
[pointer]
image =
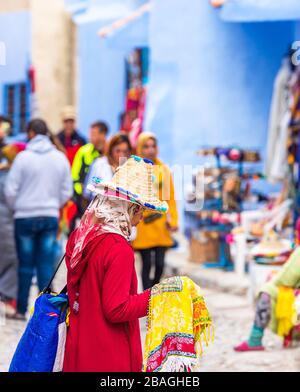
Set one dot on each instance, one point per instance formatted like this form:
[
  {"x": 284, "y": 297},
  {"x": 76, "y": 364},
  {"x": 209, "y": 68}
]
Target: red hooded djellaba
[{"x": 104, "y": 333}]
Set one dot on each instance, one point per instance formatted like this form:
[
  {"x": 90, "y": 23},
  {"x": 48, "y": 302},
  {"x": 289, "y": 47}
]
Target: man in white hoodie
[{"x": 38, "y": 185}]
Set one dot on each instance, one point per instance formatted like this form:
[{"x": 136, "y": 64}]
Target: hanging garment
[
  {"x": 295, "y": 104},
  {"x": 278, "y": 170},
  {"x": 178, "y": 320},
  {"x": 276, "y": 163}
]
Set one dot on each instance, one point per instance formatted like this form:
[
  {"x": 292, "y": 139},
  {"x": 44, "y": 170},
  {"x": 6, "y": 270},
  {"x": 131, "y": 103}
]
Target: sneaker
[
  {"x": 10, "y": 310},
  {"x": 9, "y": 305},
  {"x": 12, "y": 303}
]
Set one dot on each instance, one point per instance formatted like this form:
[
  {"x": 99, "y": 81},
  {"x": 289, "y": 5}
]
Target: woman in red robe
[{"x": 104, "y": 333}]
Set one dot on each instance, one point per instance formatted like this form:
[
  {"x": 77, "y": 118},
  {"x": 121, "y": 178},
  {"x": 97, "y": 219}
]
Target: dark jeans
[
  {"x": 35, "y": 240},
  {"x": 149, "y": 256}
]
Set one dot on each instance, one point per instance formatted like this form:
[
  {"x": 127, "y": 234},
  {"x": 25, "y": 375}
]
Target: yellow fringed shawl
[{"x": 178, "y": 320}]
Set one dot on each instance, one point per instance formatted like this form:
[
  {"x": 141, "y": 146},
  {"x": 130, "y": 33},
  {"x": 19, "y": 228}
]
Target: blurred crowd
[{"x": 43, "y": 195}]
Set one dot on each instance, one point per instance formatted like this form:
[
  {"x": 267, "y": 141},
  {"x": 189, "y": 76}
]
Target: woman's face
[
  {"x": 149, "y": 150},
  {"x": 137, "y": 215},
  {"x": 120, "y": 151}
]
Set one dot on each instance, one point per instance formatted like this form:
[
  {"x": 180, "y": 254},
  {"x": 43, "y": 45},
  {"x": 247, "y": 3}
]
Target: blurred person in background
[
  {"x": 118, "y": 150},
  {"x": 55, "y": 140},
  {"x": 5, "y": 128},
  {"x": 39, "y": 183},
  {"x": 84, "y": 158},
  {"x": 8, "y": 260},
  {"x": 154, "y": 233},
  {"x": 69, "y": 136}
]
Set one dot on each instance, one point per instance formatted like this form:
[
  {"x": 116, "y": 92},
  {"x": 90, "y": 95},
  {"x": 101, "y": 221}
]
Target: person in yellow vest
[
  {"x": 84, "y": 158},
  {"x": 154, "y": 233}
]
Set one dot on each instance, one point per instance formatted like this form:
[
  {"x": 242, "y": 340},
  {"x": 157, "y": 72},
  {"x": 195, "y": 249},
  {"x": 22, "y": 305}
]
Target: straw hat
[
  {"x": 134, "y": 181},
  {"x": 68, "y": 113}
]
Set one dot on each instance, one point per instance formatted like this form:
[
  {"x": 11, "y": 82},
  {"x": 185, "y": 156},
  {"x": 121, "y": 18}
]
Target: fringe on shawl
[
  {"x": 175, "y": 363},
  {"x": 202, "y": 334}
]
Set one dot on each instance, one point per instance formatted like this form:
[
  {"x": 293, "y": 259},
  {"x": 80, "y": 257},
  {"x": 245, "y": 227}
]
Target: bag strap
[{"x": 47, "y": 289}]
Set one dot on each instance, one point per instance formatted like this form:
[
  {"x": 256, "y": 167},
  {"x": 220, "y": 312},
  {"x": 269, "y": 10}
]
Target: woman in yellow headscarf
[{"x": 154, "y": 231}]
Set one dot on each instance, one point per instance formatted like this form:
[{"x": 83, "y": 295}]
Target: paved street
[{"x": 232, "y": 316}]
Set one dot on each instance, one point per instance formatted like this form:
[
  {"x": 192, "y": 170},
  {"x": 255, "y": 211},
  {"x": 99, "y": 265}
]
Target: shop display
[{"x": 224, "y": 191}]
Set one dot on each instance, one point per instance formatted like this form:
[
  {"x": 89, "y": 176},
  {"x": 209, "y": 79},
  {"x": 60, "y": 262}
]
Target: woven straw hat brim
[
  {"x": 113, "y": 195},
  {"x": 153, "y": 204}
]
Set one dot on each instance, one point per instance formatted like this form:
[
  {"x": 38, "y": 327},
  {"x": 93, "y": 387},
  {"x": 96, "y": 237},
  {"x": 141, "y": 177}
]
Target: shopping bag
[{"x": 41, "y": 348}]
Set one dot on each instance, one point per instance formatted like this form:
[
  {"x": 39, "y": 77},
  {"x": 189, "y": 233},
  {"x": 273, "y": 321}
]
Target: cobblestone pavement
[{"x": 232, "y": 316}]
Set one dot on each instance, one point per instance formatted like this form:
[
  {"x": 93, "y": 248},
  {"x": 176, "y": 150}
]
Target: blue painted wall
[
  {"x": 15, "y": 32},
  {"x": 101, "y": 79},
  {"x": 248, "y": 10},
  {"x": 101, "y": 65},
  {"x": 210, "y": 81}
]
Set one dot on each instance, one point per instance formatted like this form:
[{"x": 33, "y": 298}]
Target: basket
[{"x": 204, "y": 246}]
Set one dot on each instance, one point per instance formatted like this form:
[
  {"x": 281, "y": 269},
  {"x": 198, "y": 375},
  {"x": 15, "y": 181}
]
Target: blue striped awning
[{"x": 260, "y": 10}]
